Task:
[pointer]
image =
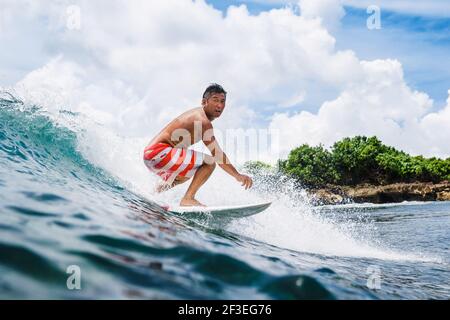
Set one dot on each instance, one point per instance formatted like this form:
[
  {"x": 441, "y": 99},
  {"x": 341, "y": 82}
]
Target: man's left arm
[{"x": 222, "y": 160}]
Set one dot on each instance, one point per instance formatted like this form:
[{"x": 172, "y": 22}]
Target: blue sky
[
  {"x": 420, "y": 42},
  {"x": 253, "y": 7}
]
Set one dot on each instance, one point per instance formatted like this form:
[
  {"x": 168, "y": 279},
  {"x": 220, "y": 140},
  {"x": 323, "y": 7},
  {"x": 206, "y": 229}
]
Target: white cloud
[
  {"x": 436, "y": 130},
  {"x": 135, "y": 65},
  {"x": 382, "y": 105},
  {"x": 145, "y": 59},
  {"x": 293, "y": 100},
  {"x": 329, "y": 11}
]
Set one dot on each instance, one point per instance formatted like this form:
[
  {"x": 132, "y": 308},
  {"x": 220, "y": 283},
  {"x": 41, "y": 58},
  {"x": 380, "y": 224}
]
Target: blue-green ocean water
[{"x": 58, "y": 210}]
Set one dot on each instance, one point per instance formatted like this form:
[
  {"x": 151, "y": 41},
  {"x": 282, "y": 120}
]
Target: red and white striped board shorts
[{"x": 169, "y": 162}]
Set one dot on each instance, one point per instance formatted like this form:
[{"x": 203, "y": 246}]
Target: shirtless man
[{"x": 168, "y": 156}]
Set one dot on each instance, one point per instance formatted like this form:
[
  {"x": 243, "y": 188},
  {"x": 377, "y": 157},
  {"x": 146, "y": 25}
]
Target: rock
[
  {"x": 397, "y": 192},
  {"x": 324, "y": 196},
  {"x": 443, "y": 196}
]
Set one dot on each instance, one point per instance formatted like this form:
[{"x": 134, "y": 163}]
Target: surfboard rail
[{"x": 234, "y": 211}]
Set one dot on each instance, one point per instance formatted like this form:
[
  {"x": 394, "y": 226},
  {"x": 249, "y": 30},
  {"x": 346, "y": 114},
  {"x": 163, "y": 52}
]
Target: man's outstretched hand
[{"x": 246, "y": 181}]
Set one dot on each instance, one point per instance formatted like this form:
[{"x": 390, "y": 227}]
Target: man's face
[{"x": 215, "y": 104}]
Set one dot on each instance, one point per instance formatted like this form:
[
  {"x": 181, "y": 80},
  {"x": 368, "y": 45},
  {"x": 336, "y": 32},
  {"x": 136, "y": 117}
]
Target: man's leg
[{"x": 201, "y": 175}]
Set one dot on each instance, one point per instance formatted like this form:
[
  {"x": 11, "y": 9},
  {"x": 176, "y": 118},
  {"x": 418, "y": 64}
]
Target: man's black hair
[{"x": 212, "y": 89}]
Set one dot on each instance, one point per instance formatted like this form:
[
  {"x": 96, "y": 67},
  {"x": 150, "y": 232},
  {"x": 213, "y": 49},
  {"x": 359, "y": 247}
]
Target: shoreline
[{"x": 380, "y": 194}]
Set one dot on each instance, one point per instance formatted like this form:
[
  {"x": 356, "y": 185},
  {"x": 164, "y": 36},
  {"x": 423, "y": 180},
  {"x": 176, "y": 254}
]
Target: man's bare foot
[{"x": 185, "y": 202}]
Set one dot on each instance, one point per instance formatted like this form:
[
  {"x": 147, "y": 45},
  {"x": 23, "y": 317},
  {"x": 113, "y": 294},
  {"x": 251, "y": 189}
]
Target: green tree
[
  {"x": 355, "y": 159},
  {"x": 313, "y": 166},
  {"x": 256, "y": 166},
  {"x": 437, "y": 169},
  {"x": 360, "y": 159}
]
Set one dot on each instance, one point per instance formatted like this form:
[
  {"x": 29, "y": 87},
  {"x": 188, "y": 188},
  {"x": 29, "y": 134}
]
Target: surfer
[{"x": 168, "y": 156}]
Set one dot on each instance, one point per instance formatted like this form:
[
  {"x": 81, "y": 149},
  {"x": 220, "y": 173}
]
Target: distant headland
[{"x": 362, "y": 169}]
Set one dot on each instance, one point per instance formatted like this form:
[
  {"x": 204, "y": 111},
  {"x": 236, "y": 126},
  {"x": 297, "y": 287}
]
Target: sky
[
  {"x": 312, "y": 70},
  {"x": 406, "y": 26}
]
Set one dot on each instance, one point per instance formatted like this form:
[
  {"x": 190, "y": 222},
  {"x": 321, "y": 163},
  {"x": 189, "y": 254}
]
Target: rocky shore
[{"x": 397, "y": 192}]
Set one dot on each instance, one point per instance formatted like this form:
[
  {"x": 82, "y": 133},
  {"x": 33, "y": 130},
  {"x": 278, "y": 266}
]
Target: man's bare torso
[
  {"x": 190, "y": 128},
  {"x": 185, "y": 130}
]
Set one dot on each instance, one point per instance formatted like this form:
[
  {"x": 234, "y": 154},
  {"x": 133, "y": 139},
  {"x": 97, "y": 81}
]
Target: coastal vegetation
[{"x": 357, "y": 160}]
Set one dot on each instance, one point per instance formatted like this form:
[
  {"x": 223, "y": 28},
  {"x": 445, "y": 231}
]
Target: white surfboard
[{"x": 236, "y": 211}]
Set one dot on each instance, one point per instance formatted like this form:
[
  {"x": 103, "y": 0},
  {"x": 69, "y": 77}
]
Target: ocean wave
[
  {"x": 29, "y": 134},
  {"x": 66, "y": 200}
]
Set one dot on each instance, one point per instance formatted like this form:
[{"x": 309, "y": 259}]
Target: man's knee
[
  {"x": 210, "y": 166},
  {"x": 179, "y": 180},
  {"x": 210, "y": 162}
]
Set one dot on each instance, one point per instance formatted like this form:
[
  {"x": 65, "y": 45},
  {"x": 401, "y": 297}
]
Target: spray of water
[{"x": 291, "y": 222}]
